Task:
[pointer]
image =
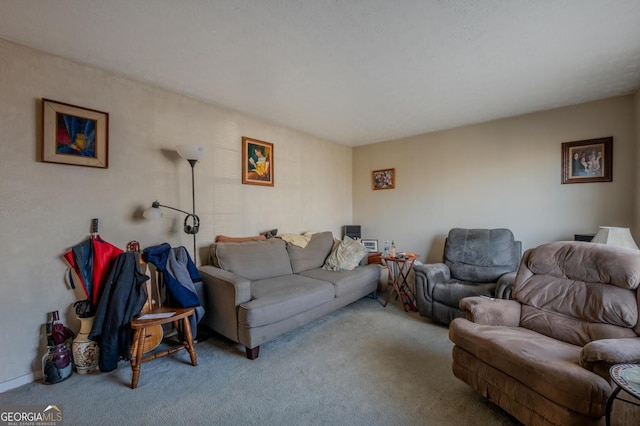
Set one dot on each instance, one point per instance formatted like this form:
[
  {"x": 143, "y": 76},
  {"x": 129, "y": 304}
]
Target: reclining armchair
[
  {"x": 544, "y": 357},
  {"x": 477, "y": 262}
]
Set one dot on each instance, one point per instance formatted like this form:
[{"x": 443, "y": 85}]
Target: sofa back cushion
[
  {"x": 313, "y": 254},
  {"x": 254, "y": 260},
  {"x": 578, "y": 292},
  {"x": 480, "y": 255}
]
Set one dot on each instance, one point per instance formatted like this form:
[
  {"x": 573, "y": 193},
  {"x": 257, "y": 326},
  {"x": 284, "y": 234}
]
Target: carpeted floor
[{"x": 361, "y": 365}]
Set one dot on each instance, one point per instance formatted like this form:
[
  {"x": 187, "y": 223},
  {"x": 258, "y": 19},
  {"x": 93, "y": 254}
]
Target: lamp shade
[
  {"x": 615, "y": 236},
  {"x": 191, "y": 152},
  {"x": 152, "y": 213}
]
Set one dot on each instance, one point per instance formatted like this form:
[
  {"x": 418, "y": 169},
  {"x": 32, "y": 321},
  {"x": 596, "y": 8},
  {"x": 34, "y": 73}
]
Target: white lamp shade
[
  {"x": 152, "y": 213},
  {"x": 615, "y": 236},
  {"x": 191, "y": 152}
]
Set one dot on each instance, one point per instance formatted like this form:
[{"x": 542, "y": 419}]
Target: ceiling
[{"x": 352, "y": 71}]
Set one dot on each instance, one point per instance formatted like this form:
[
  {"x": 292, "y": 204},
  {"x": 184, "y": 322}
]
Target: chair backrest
[
  {"x": 578, "y": 292},
  {"x": 481, "y": 255}
]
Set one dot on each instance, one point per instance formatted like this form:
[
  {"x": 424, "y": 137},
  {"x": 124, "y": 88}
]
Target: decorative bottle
[
  {"x": 392, "y": 253},
  {"x": 386, "y": 249},
  {"x": 56, "y": 361}
]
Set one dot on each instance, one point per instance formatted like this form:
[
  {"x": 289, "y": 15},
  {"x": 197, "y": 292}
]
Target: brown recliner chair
[
  {"x": 544, "y": 356},
  {"x": 476, "y": 262}
]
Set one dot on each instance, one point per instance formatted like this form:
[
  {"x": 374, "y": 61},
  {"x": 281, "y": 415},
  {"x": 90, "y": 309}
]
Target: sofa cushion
[
  {"x": 616, "y": 265},
  {"x": 548, "y": 366},
  {"x": 565, "y": 298},
  {"x": 452, "y": 292},
  {"x": 480, "y": 255},
  {"x": 279, "y": 298},
  {"x": 254, "y": 260},
  {"x": 346, "y": 282},
  {"x": 313, "y": 254},
  {"x": 346, "y": 256}
]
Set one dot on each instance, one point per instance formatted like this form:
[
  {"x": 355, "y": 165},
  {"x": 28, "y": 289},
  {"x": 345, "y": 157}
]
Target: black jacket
[{"x": 122, "y": 298}]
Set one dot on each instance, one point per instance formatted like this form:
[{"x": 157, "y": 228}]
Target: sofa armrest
[
  {"x": 488, "y": 311},
  {"x": 426, "y": 278},
  {"x": 224, "y": 291},
  {"x": 610, "y": 351},
  {"x": 433, "y": 272},
  {"x": 504, "y": 286}
]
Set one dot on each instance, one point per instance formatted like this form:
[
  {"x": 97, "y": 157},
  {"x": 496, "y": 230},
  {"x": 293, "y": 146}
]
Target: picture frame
[
  {"x": 74, "y": 135},
  {"x": 586, "y": 161},
  {"x": 257, "y": 162},
  {"x": 383, "y": 179},
  {"x": 371, "y": 245}
]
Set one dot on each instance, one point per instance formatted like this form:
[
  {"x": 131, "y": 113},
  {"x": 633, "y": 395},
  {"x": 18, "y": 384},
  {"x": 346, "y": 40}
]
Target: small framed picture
[
  {"x": 371, "y": 245},
  {"x": 257, "y": 162},
  {"x": 587, "y": 161},
  {"x": 384, "y": 179},
  {"x": 74, "y": 135}
]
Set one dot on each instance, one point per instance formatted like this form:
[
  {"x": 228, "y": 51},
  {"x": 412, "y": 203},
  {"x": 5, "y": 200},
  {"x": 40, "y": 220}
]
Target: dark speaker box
[{"x": 351, "y": 231}]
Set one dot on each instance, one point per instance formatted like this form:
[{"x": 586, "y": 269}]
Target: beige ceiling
[{"x": 352, "y": 71}]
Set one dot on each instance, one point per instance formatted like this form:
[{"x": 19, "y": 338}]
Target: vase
[
  {"x": 85, "y": 351},
  {"x": 56, "y": 364}
]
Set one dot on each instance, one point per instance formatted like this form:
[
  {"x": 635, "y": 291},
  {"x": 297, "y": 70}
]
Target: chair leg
[
  {"x": 252, "y": 353},
  {"x": 189, "y": 341},
  {"x": 137, "y": 353}
]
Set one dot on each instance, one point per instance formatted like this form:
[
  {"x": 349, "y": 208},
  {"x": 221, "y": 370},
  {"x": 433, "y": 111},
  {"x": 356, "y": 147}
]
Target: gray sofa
[
  {"x": 256, "y": 291},
  {"x": 476, "y": 262}
]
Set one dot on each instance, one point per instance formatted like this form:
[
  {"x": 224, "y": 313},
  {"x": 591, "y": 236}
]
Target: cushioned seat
[
  {"x": 346, "y": 282},
  {"x": 476, "y": 262},
  {"x": 544, "y": 356},
  {"x": 279, "y": 298},
  {"x": 545, "y": 359}
]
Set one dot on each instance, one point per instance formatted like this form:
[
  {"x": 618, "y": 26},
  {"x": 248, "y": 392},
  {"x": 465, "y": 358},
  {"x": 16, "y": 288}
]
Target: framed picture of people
[
  {"x": 257, "y": 162},
  {"x": 586, "y": 161}
]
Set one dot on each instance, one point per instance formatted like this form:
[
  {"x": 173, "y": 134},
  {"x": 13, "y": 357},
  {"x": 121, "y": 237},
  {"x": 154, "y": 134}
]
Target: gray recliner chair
[{"x": 477, "y": 262}]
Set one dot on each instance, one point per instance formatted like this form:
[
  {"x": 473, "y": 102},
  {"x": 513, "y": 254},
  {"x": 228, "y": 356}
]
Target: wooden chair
[{"x": 147, "y": 332}]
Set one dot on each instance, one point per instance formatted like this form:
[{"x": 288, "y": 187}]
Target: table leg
[{"x": 613, "y": 396}]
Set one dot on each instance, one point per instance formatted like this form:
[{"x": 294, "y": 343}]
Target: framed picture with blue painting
[{"x": 74, "y": 135}]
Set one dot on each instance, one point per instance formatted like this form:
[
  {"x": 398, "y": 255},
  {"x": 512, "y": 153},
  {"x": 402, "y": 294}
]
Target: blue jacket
[{"x": 180, "y": 275}]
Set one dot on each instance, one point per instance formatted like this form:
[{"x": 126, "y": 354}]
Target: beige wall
[
  {"x": 47, "y": 208},
  {"x": 503, "y": 173},
  {"x": 635, "y": 190}
]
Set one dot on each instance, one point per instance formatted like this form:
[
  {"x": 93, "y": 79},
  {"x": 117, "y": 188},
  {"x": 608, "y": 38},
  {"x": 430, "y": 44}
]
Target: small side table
[
  {"x": 399, "y": 269},
  {"x": 627, "y": 378}
]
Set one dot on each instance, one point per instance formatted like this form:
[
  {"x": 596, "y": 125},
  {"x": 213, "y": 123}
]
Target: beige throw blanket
[{"x": 300, "y": 240}]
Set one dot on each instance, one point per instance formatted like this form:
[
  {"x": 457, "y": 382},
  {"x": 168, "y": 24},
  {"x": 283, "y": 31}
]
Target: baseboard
[{"x": 17, "y": 382}]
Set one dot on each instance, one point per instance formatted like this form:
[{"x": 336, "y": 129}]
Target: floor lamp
[{"x": 191, "y": 153}]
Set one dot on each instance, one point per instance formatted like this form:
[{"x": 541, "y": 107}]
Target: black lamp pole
[{"x": 193, "y": 204}]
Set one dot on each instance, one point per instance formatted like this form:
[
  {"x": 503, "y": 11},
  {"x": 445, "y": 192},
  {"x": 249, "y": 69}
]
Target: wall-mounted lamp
[
  {"x": 154, "y": 213},
  {"x": 191, "y": 153},
  {"x": 615, "y": 236}
]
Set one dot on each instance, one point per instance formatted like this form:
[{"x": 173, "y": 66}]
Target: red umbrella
[{"x": 91, "y": 260}]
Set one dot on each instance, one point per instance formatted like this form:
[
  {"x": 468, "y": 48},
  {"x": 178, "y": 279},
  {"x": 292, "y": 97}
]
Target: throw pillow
[
  {"x": 346, "y": 256},
  {"x": 226, "y": 239}
]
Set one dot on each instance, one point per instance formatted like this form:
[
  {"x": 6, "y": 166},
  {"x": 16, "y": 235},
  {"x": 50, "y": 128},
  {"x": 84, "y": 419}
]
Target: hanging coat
[
  {"x": 180, "y": 275},
  {"x": 122, "y": 299}
]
